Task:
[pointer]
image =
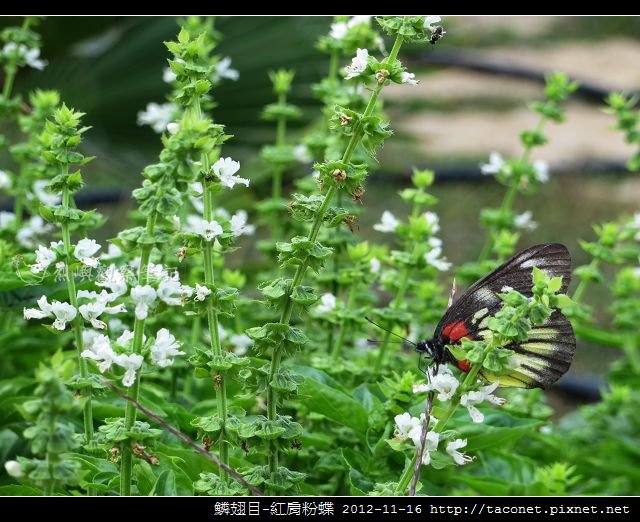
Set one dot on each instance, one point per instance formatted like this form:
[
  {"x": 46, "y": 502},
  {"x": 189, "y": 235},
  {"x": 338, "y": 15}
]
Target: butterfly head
[{"x": 433, "y": 350}]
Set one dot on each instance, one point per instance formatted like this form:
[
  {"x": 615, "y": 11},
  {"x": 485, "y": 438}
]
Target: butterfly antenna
[{"x": 389, "y": 331}]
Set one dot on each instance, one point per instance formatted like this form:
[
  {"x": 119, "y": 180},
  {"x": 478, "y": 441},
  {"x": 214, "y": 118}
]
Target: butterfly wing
[{"x": 548, "y": 353}]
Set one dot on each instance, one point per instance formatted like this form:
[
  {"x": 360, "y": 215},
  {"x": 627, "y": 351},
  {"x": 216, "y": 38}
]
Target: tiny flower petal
[
  {"x": 358, "y": 64},
  {"x": 410, "y": 78},
  {"x": 388, "y": 223},
  {"x": 327, "y": 303}
]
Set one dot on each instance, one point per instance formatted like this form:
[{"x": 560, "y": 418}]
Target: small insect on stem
[{"x": 437, "y": 33}]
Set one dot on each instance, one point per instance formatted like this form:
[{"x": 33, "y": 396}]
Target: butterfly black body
[{"x": 536, "y": 363}]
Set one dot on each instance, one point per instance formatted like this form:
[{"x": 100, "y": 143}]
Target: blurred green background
[{"x": 111, "y": 67}]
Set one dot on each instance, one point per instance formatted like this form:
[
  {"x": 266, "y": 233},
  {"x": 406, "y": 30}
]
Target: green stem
[
  {"x": 395, "y": 305},
  {"x": 212, "y": 313},
  {"x": 126, "y": 463},
  {"x": 469, "y": 380},
  {"x": 511, "y": 193},
  {"x": 405, "y": 478},
  {"x": 10, "y": 75},
  {"x": 77, "y": 322},
  {"x": 278, "y": 171},
  {"x": 11, "y": 68},
  {"x": 584, "y": 283},
  {"x": 51, "y": 456},
  {"x": 344, "y": 323},
  {"x": 287, "y": 308}
]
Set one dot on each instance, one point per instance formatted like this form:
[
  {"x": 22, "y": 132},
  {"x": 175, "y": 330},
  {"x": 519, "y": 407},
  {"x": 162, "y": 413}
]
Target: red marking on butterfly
[{"x": 455, "y": 332}]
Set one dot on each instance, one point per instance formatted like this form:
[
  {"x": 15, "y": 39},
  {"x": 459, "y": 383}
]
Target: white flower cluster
[
  {"x": 99, "y": 348},
  {"x": 445, "y": 384},
  {"x": 497, "y": 164},
  {"x": 389, "y": 223},
  {"x": 21, "y": 52}
]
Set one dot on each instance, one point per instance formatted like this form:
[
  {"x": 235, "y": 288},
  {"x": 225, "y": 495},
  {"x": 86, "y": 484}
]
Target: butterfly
[{"x": 536, "y": 363}]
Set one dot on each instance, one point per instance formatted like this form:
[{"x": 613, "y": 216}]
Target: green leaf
[
  {"x": 335, "y": 405},
  {"x": 165, "y": 486},
  {"x": 19, "y": 490}
]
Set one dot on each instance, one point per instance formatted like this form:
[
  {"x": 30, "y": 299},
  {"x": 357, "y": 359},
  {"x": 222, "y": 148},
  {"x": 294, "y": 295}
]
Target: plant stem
[
  {"x": 126, "y": 464},
  {"x": 77, "y": 322},
  {"x": 584, "y": 283},
  {"x": 212, "y": 313},
  {"x": 344, "y": 322},
  {"x": 405, "y": 478},
  {"x": 512, "y": 191},
  {"x": 395, "y": 305},
  {"x": 10, "y": 69},
  {"x": 469, "y": 380},
  {"x": 278, "y": 170},
  {"x": 287, "y": 308}
]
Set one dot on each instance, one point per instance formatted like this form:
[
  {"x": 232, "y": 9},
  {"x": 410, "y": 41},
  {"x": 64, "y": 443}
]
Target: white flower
[
  {"x": 374, "y": 265},
  {"x": 432, "y": 257},
  {"x": 64, "y": 313},
  {"x": 98, "y": 348},
  {"x": 209, "y": 230},
  {"x": 240, "y": 343},
  {"x": 157, "y": 116},
  {"x": 444, "y": 382},
  {"x": 165, "y": 347},
  {"x": 315, "y": 174},
  {"x": 302, "y": 154},
  {"x": 495, "y": 165},
  {"x": 388, "y": 223},
  {"x": 172, "y": 292},
  {"x": 125, "y": 337},
  {"x": 34, "y": 313},
  {"x": 406, "y": 425},
  {"x": 114, "y": 280},
  {"x": 168, "y": 76},
  {"x": 541, "y": 169},
  {"x": 5, "y": 180},
  {"x": 91, "y": 311},
  {"x": 130, "y": 363},
  {"x": 85, "y": 249},
  {"x": 452, "y": 449},
  {"x": 524, "y": 221},
  {"x": 35, "y": 227},
  {"x": 338, "y": 30},
  {"x": 470, "y": 399},
  {"x": 144, "y": 297},
  {"x": 433, "y": 222},
  {"x": 225, "y": 168},
  {"x": 201, "y": 292},
  {"x": 430, "y": 444},
  {"x": 224, "y": 70},
  {"x": 6, "y": 218},
  {"x": 46, "y": 198},
  {"x": 112, "y": 252},
  {"x": 358, "y": 64},
  {"x": 239, "y": 225},
  {"x": 430, "y": 21},
  {"x": 33, "y": 59},
  {"x": 30, "y": 56},
  {"x": 173, "y": 128},
  {"x": 506, "y": 289},
  {"x": 410, "y": 78},
  {"x": 14, "y": 469},
  {"x": 45, "y": 257},
  {"x": 358, "y": 19},
  {"x": 327, "y": 303}
]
